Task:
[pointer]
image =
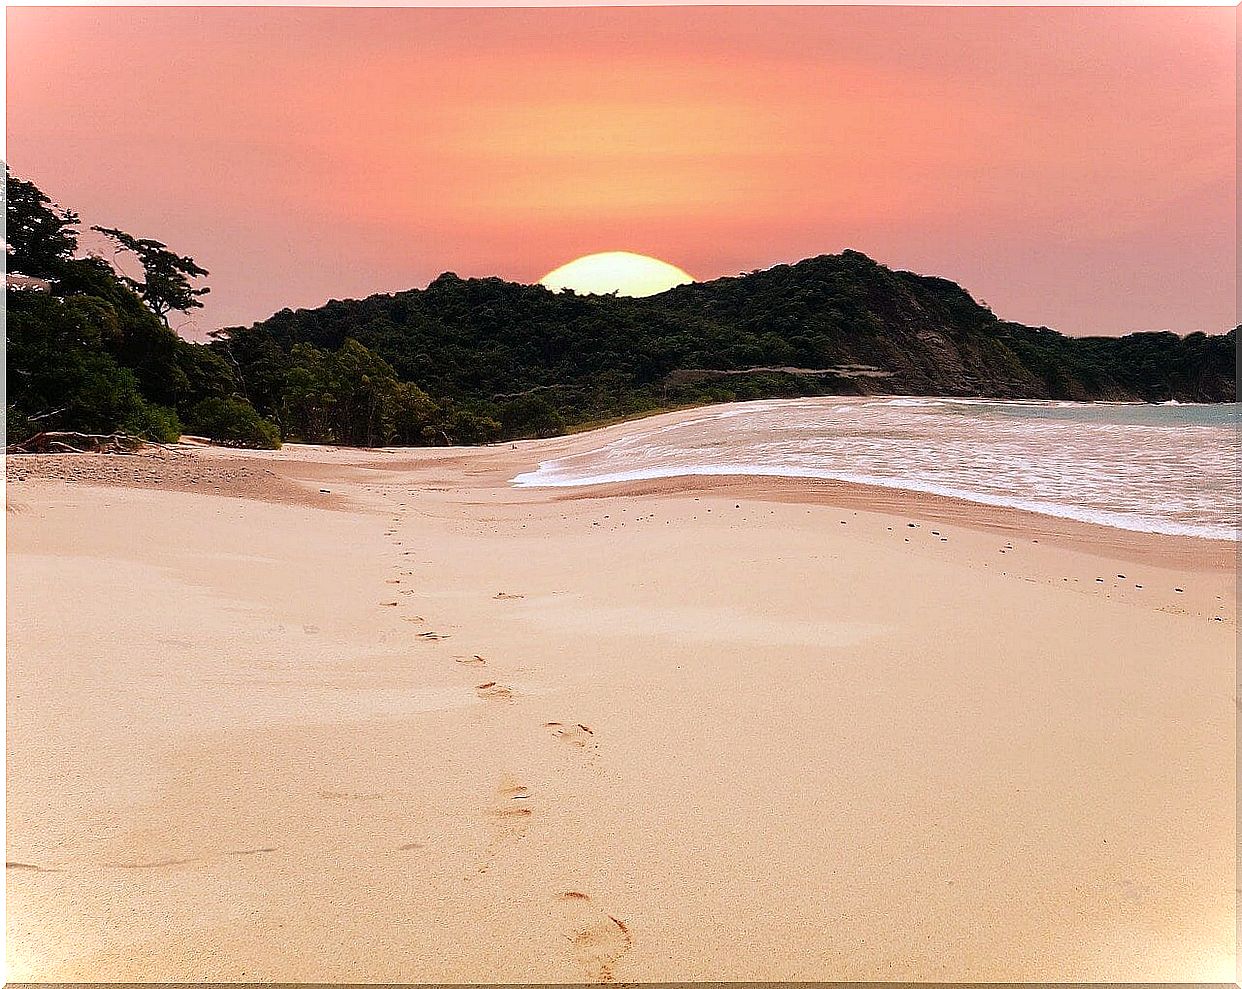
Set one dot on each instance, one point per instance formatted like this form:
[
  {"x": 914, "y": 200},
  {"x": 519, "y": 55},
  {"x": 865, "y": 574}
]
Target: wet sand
[{"x": 340, "y": 715}]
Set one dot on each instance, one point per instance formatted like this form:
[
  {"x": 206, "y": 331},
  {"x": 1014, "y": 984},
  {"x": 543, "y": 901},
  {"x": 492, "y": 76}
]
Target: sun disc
[{"x": 615, "y": 271}]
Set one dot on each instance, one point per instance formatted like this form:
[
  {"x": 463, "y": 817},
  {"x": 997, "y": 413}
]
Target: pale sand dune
[{"x": 674, "y": 731}]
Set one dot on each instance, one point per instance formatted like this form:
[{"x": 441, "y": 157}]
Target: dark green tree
[
  {"x": 353, "y": 397},
  {"x": 232, "y": 422},
  {"x": 39, "y": 236},
  {"x": 61, "y": 376},
  {"x": 90, "y": 356},
  {"x": 306, "y": 401},
  {"x": 166, "y": 286}
]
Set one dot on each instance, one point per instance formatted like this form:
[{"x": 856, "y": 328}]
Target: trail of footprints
[{"x": 597, "y": 939}]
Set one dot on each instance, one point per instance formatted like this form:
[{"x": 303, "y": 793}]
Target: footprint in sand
[
  {"x": 475, "y": 660},
  {"x": 513, "y": 803},
  {"x": 493, "y": 691},
  {"x": 511, "y": 816},
  {"x": 502, "y": 596},
  {"x": 574, "y": 734},
  {"x": 598, "y": 939}
]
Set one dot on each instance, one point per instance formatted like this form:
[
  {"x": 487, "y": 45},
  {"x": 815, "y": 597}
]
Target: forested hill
[
  {"x": 90, "y": 349},
  {"x": 510, "y": 360}
]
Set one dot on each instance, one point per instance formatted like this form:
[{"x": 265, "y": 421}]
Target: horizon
[{"x": 1072, "y": 167}]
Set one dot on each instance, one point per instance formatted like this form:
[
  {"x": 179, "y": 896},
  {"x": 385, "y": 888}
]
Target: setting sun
[{"x": 616, "y": 271}]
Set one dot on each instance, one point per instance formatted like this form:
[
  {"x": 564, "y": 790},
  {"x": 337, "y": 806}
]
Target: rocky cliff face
[{"x": 934, "y": 338}]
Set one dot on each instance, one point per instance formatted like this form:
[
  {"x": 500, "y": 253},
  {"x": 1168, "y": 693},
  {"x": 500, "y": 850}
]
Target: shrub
[
  {"x": 234, "y": 422},
  {"x": 153, "y": 422}
]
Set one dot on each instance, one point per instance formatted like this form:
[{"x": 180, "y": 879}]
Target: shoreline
[
  {"x": 530, "y": 477},
  {"x": 498, "y": 465}
]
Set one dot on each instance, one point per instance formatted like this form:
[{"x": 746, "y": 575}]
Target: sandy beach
[{"x": 345, "y": 715}]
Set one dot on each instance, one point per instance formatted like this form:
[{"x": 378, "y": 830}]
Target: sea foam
[{"x": 1166, "y": 469}]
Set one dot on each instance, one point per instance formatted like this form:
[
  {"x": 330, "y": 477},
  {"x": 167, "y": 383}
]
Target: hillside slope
[{"x": 519, "y": 360}]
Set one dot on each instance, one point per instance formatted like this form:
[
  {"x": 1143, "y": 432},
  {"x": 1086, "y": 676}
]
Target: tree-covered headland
[{"x": 478, "y": 360}]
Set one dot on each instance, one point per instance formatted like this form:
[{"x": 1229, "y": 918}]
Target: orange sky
[{"x": 1073, "y": 167}]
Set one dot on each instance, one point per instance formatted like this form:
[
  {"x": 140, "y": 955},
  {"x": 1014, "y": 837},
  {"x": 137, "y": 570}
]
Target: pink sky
[{"x": 1073, "y": 167}]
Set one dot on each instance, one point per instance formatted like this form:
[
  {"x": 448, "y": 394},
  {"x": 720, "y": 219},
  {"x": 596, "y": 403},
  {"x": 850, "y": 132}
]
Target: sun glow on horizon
[{"x": 622, "y": 272}]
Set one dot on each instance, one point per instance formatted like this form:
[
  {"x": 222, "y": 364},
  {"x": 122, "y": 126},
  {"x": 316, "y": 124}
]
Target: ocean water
[{"x": 1153, "y": 468}]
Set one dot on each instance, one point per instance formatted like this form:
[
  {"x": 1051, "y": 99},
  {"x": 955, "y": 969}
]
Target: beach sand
[{"x": 341, "y": 715}]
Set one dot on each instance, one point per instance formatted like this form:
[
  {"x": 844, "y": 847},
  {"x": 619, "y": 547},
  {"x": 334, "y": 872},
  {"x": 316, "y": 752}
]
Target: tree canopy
[
  {"x": 39, "y": 235},
  {"x": 166, "y": 286},
  {"x": 90, "y": 355}
]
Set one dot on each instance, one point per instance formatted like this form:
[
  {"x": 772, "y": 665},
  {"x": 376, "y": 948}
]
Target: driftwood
[{"x": 66, "y": 442}]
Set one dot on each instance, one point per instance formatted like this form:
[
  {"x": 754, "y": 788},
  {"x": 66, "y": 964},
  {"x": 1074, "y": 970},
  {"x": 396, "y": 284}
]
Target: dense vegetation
[
  {"x": 474, "y": 360},
  {"x": 95, "y": 353},
  {"x": 518, "y": 361}
]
